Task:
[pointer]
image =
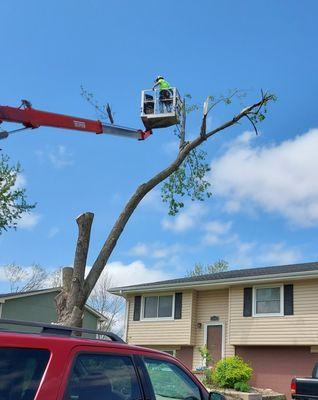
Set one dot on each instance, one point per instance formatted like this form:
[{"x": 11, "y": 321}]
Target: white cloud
[
  {"x": 185, "y": 220},
  {"x": 279, "y": 178},
  {"x": 152, "y": 201},
  {"x": 156, "y": 250},
  {"x": 134, "y": 273},
  {"x": 278, "y": 254},
  {"x": 61, "y": 157},
  {"x": 218, "y": 227},
  {"x": 247, "y": 255},
  {"x": 29, "y": 220},
  {"x": 215, "y": 232},
  {"x": 2, "y": 274},
  {"x": 140, "y": 249},
  {"x": 163, "y": 251}
]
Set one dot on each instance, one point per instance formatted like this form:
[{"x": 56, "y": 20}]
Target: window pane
[
  {"x": 151, "y": 305},
  {"x": 21, "y": 371},
  {"x": 99, "y": 376},
  {"x": 264, "y": 294},
  {"x": 165, "y": 306},
  {"x": 169, "y": 381},
  {"x": 267, "y": 307}
]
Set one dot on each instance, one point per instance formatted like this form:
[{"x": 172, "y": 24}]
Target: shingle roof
[{"x": 238, "y": 273}]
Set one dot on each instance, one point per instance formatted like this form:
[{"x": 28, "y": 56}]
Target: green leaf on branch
[
  {"x": 189, "y": 180},
  {"x": 12, "y": 198}
]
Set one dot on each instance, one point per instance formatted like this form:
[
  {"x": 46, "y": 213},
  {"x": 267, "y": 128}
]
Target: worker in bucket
[{"x": 165, "y": 94}]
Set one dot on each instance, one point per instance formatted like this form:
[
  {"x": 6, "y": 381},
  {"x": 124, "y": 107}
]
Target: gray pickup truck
[{"x": 306, "y": 388}]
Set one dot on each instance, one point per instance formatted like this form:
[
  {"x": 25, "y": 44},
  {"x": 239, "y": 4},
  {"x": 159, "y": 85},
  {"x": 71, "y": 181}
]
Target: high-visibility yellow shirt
[{"x": 163, "y": 84}]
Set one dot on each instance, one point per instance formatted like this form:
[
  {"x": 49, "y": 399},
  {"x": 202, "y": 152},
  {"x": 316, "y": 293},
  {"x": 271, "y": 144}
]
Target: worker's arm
[{"x": 155, "y": 85}]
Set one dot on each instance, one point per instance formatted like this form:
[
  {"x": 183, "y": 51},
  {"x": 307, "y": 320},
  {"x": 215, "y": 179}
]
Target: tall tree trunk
[{"x": 70, "y": 302}]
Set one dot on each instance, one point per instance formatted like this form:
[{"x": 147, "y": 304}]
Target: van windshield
[{"x": 21, "y": 371}]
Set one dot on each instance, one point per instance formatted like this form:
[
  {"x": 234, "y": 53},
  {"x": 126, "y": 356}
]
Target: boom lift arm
[{"x": 31, "y": 118}]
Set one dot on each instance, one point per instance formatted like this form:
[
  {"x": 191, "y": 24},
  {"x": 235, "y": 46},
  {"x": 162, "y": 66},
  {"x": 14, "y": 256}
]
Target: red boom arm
[{"x": 32, "y": 118}]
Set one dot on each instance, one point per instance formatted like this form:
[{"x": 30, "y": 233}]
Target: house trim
[
  {"x": 223, "y": 334},
  {"x": 27, "y": 294}
]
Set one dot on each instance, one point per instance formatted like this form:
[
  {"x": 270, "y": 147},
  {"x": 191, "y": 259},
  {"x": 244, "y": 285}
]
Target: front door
[{"x": 215, "y": 341}]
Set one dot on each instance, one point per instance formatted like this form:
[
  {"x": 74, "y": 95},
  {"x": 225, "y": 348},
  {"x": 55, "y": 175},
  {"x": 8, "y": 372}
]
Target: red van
[{"x": 53, "y": 364}]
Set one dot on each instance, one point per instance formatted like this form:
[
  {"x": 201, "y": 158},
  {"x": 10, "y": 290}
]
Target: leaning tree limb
[{"x": 82, "y": 287}]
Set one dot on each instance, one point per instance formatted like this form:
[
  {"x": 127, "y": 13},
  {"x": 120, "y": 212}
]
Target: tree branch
[
  {"x": 145, "y": 188},
  {"x": 252, "y": 122},
  {"x": 205, "y": 113},
  {"x": 223, "y": 99}
]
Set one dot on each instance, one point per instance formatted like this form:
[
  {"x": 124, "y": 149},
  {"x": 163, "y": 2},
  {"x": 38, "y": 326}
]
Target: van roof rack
[{"x": 59, "y": 330}]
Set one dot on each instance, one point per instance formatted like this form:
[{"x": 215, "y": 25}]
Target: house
[
  {"x": 268, "y": 316},
  {"x": 39, "y": 306}
]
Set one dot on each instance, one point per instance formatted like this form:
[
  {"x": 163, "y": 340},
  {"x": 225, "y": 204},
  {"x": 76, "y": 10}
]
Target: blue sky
[{"x": 265, "y": 205}]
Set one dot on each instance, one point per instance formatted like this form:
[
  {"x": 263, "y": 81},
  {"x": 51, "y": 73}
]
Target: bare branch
[
  {"x": 106, "y": 303},
  {"x": 102, "y": 112},
  {"x": 252, "y": 122},
  {"x": 223, "y": 99},
  {"x": 242, "y": 114},
  {"x": 23, "y": 279}
]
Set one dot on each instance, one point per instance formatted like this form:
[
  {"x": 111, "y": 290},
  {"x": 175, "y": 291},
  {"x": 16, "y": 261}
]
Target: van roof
[{"x": 46, "y": 340}]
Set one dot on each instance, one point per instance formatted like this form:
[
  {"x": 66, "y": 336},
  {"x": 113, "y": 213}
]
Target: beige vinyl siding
[
  {"x": 209, "y": 303},
  {"x": 162, "y": 332},
  {"x": 298, "y": 329}
]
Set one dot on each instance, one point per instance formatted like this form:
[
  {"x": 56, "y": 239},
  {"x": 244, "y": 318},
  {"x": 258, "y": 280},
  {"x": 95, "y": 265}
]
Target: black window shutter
[
  {"x": 248, "y": 302},
  {"x": 137, "y": 308},
  {"x": 288, "y": 299},
  {"x": 178, "y": 306}
]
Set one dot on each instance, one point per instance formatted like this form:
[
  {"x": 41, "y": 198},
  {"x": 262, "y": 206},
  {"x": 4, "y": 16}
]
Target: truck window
[
  {"x": 103, "y": 376},
  {"x": 21, "y": 371},
  {"x": 170, "y": 382}
]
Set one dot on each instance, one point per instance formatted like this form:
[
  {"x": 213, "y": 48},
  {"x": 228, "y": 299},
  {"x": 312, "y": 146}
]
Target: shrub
[
  {"x": 231, "y": 371},
  {"x": 242, "y": 387}
]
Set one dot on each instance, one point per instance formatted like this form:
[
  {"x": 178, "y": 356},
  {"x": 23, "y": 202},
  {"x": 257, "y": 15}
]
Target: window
[
  {"x": 158, "y": 306},
  {"x": 170, "y": 381},
  {"x": 21, "y": 371},
  {"x": 100, "y": 376},
  {"x": 268, "y": 300}
]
